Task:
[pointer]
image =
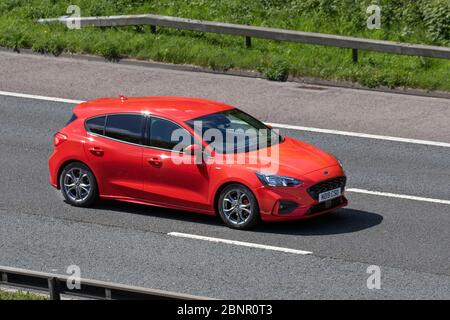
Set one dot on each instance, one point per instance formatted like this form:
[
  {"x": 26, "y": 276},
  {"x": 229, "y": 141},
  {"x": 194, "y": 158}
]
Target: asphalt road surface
[{"x": 408, "y": 239}]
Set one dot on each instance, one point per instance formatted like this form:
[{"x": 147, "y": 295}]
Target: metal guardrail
[
  {"x": 260, "y": 32},
  {"x": 56, "y": 285}
]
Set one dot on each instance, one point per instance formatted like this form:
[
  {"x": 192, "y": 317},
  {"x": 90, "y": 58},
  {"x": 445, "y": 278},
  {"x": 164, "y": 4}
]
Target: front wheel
[
  {"x": 238, "y": 207},
  {"x": 78, "y": 185}
]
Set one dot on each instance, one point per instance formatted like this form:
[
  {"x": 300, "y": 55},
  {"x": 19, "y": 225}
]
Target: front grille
[
  {"x": 327, "y": 185},
  {"x": 327, "y": 205}
]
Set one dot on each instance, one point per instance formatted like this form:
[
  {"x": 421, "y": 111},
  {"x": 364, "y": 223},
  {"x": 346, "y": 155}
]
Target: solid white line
[
  {"x": 361, "y": 135},
  {"x": 36, "y": 97},
  {"x": 394, "y": 195},
  {"x": 277, "y": 125},
  {"x": 238, "y": 243}
]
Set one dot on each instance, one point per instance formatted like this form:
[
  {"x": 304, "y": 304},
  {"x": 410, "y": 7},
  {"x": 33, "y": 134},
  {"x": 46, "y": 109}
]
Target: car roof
[{"x": 175, "y": 108}]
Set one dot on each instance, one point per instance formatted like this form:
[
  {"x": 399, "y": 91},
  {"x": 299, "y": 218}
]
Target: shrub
[
  {"x": 14, "y": 38},
  {"x": 109, "y": 50},
  {"x": 275, "y": 70},
  {"x": 436, "y": 15}
]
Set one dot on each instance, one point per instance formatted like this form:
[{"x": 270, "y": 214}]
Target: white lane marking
[
  {"x": 277, "y": 125},
  {"x": 361, "y": 135},
  {"x": 36, "y": 97},
  {"x": 238, "y": 243},
  {"x": 394, "y": 195}
]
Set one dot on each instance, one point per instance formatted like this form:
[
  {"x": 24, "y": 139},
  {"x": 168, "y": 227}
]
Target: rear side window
[
  {"x": 96, "y": 125},
  {"x": 124, "y": 127},
  {"x": 166, "y": 135}
]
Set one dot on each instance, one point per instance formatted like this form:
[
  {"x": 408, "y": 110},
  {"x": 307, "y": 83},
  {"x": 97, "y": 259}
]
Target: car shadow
[
  {"x": 344, "y": 220},
  {"x": 158, "y": 212}
]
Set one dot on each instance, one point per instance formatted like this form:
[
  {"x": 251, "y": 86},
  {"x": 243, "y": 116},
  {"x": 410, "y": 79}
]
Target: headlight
[
  {"x": 340, "y": 164},
  {"x": 273, "y": 180},
  {"x": 337, "y": 159}
]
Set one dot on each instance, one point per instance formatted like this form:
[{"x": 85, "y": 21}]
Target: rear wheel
[
  {"x": 78, "y": 185},
  {"x": 238, "y": 207}
]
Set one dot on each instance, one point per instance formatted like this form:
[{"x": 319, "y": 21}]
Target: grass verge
[
  {"x": 422, "y": 21},
  {"x": 20, "y": 295}
]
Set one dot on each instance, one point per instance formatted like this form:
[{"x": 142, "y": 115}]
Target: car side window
[
  {"x": 124, "y": 127},
  {"x": 165, "y": 134},
  {"x": 96, "y": 125}
]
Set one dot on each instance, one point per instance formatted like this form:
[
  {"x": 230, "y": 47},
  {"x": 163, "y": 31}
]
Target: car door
[
  {"x": 167, "y": 181},
  {"x": 114, "y": 150}
]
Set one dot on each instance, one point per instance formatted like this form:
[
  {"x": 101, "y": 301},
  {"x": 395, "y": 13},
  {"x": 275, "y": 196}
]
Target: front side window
[
  {"x": 124, "y": 127},
  {"x": 165, "y": 134}
]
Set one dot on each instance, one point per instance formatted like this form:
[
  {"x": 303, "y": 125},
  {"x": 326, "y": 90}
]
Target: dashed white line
[
  {"x": 238, "y": 243},
  {"x": 394, "y": 195},
  {"x": 361, "y": 135}
]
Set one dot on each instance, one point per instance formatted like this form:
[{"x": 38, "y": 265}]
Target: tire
[
  {"x": 78, "y": 185},
  {"x": 245, "y": 214}
]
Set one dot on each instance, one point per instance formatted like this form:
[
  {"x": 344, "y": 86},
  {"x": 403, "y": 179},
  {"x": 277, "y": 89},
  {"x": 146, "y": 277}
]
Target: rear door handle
[
  {"x": 96, "y": 151},
  {"x": 156, "y": 161}
]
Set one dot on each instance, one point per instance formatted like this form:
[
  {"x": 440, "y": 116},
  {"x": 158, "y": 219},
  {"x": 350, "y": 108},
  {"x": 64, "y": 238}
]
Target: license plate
[{"x": 324, "y": 196}]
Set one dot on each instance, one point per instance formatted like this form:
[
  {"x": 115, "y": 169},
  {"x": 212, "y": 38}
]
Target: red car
[{"x": 172, "y": 152}]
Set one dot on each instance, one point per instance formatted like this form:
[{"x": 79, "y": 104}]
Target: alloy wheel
[
  {"x": 236, "y": 206},
  {"x": 77, "y": 184}
]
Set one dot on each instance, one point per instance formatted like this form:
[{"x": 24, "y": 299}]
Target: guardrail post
[
  {"x": 355, "y": 55},
  {"x": 248, "y": 42},
  {"x": 153, "y": 29},
  {"x": 108, "y": 295},
  {"x": 53, "y": 288},
  {"x": 4, "y": 277}
]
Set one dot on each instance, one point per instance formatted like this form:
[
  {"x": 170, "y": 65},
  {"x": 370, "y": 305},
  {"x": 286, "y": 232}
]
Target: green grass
[
  {"x": 20, "y": 296},
  {"x": 415, "y": 21}
]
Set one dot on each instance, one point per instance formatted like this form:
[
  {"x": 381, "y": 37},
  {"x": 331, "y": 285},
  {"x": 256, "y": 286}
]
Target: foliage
[{"x": 415, "y": 21}]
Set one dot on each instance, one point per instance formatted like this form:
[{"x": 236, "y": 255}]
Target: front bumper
[{"x": 293, "y": 203}]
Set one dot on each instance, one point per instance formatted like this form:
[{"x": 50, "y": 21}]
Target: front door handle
[
  {"x": 155, "y": 161},
  {"x": 96, "y": 151}
]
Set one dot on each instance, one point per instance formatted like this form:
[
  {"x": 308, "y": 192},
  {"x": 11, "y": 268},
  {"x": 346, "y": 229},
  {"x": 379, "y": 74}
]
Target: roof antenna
[{"x": 122, "y": 98}]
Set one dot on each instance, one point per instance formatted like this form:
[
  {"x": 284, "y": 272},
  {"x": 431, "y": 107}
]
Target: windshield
[{"x": 234, "y": 131}]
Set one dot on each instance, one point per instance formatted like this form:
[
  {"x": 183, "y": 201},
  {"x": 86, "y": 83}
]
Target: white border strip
[
  {"x": 36, "y": 97},
  {"x": 277, "y": 125},
  {"x": 362, "y": 135},
  {"x": 394, "y": 195},
  {"x": 238, "y": 243}
]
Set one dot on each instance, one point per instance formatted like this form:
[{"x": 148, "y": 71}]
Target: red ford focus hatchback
[{"x": 192, "y": 154}]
